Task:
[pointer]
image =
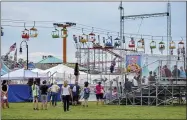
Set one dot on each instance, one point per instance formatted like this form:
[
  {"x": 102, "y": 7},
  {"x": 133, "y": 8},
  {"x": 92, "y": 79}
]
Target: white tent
[
  {"x": 62, "y": 69},
  {"x": 38, "y": 71},
  {"x": 22, "y": 74}
]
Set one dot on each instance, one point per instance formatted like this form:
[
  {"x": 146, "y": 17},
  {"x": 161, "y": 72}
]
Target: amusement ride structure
[{"x": 107, "y": 55}]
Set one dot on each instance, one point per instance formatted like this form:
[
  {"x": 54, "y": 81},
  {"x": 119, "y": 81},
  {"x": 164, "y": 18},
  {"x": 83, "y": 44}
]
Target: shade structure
[
  {"x": 62, "y": 69},
  {"x": 22, "y": 74},
  {"x": 38, "y": 71},
  {"x": 4, "y": 68},
  {"x": 51, "y": 60}
]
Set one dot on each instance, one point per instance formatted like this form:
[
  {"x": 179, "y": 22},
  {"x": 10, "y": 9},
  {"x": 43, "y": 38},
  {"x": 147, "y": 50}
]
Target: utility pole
[{"x": 64, "y": 37}]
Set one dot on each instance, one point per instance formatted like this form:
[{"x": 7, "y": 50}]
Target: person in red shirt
[
  {"x": 167, "y": 72},
  {"x": 99, "y": 93}
]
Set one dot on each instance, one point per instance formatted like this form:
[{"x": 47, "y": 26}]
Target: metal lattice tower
[
  {"x": 169, "y": 39},
  {"x": 121, "y": 38}
]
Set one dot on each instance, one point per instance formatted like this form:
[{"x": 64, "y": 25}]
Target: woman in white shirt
[{"x": 66, "y": 92}]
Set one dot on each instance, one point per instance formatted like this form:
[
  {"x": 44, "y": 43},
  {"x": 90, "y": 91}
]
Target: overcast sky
[{"x": 103, "y": 15}]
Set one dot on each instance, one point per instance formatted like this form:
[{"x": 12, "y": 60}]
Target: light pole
[{"x": 20, "y": 50}]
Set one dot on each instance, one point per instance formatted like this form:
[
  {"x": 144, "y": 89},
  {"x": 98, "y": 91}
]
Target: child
[
  {"x": 35, "y": 94},
  {"x": 4, "y": 94},
  {"x": 114, "y": 93},
  {"x": 107, "y": 96},
  {"x": 86, "y": 94}
]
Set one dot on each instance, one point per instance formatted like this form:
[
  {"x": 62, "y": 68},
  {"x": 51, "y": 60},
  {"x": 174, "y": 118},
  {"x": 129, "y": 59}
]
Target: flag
[
  {"x": 12, "y": 48},
  {"x": 15, "y": 56}
]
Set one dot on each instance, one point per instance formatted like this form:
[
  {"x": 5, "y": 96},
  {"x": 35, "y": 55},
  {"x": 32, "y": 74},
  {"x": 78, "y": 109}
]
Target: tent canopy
[
  {"x": 31, "y": 66},
  {"x": 51, "y": 60},
  {"x": 38, "y": 71},
  {"x": 22, "y": 74},
  {"x": 62, "y": 69},
  {"x": 4, "y": 69}
]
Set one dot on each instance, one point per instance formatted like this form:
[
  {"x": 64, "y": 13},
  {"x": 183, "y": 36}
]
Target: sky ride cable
[{"x": 89, "y": 27}]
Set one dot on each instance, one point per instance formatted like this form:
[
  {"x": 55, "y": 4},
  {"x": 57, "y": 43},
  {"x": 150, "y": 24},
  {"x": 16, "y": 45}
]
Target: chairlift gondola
[
  {"x": 108, "y": 44},
  {"x": 140, "y": 44},
  {"x": 64, "y": 33},
  {"x": 25, "y": 33},
  {"x": 117, "y": 37},
  {"x": 117, "y": 44},
  {"x": 161, "y": 46},
  {"x": 92, "y": 36},
  {"x": 132, "y": 43},
  {"x": 181, "y": 45},
  {"x": 181, "y": 48},
  {"x": 83, "y": 38},
  {"x": 172, "y": 45},
  {"x": 33, "y": 31},
  {"x": 153, "y": 44},
  {"x": 55, "y": 33}
]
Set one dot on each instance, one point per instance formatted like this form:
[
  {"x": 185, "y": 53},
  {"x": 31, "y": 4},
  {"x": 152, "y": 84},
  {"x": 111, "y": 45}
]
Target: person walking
[
  {"x": 65, "y": 93},
  {"x": 76, "y": 92},
  {"x": 4, "y": 94},
  {"x": 44, "y": 90},
  {"x": 35, "y": 94},
  {"x": 99, "y": 93},
  {"x": 76, "y": 72},
  {"x": 50, "y": 95},
  {"x": 54, "y": 92},
  {"x": 86, "y": 94}
]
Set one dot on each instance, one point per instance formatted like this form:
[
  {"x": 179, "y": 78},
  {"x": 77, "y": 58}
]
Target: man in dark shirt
[
  {"x": 176, "y": 72},
  {"x": 75, "y": 90},
  {"x": 44, "y": 90},
  {"x": 167, "y": 71},
  {"x": 128, "y": 85}
]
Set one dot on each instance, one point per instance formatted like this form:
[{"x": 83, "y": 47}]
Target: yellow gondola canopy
[
  {"x": 172, "y": 45},
  {"x": 64, "y": 33},
  {"x": 33, "y": 32},
  {"x": 83, "y": 38}
]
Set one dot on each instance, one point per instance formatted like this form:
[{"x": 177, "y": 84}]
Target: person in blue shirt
[
  {"x": 76, "y": 91},
  {"x": 182, "y": 73}
]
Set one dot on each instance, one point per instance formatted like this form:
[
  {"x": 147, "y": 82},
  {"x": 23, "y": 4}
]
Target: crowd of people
[
  {"x": 164, "y": 72},
  {"x": 71, "y": 94}
]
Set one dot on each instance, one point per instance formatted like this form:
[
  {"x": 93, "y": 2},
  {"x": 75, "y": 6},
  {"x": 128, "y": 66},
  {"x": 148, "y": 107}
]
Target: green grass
[{"x": 25, "y": 111}]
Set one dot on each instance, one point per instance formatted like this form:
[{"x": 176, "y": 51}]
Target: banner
[{"x": 133, "y": 63}]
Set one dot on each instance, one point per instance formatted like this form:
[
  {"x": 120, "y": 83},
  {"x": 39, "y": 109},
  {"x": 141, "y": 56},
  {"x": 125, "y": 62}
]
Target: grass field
[{"x": 25, "y": 111}]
